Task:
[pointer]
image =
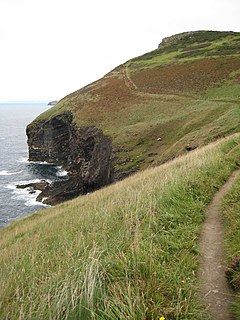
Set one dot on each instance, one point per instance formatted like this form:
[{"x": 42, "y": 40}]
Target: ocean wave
[
  {"x": 42, "y": 162},
  {"x": 14, "y": 184},
  {"x": 61, "y": 172},
  {"x": 25, "y": 160},
  {"x": 7, "y": 173},
  {"x": 29, "y": 199}
]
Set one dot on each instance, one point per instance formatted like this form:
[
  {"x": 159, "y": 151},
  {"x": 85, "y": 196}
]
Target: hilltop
[{"x": 155, "y": 107}]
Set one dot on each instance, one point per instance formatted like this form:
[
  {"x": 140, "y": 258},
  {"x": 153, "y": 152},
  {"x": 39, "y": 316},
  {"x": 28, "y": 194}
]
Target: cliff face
[
  {"x": 84, "y": 152},
  {"x": 53, "y": 140}
]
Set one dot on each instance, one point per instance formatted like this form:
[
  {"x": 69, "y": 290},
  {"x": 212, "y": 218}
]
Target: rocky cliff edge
[{"x": 84, "y": 152}]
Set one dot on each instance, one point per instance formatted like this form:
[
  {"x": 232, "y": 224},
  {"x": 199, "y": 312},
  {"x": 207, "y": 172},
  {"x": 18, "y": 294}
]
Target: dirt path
[
  {"x": 214, "y": 290},
  {"x": 131, "y": 85},
  {"x": 128, "y": 81}
]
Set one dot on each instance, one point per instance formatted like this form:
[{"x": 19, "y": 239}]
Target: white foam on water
[
  {"x": 61, "y": 172},
  {"x": 11, "y": 185},
  {"x": 40, "y": 162},
  {"x": 24, "y": 195},
  {"x": 23, "y": 160},
  {"x": 7, "y": 173},
  {"x": 29, "y": 198}
]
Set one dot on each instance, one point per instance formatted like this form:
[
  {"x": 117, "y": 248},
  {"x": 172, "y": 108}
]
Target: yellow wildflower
[{"x": 162, "y": 318}]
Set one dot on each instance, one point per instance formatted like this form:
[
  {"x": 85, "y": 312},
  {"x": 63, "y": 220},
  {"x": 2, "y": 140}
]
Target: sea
[{"x": 14, "y": 165}]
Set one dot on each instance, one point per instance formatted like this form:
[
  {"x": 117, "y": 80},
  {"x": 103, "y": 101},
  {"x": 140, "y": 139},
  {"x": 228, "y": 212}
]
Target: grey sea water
[{"x": 14, "y": 165}]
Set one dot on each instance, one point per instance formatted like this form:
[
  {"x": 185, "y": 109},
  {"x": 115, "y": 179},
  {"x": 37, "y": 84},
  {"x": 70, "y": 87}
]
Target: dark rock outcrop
[
  {"x": 52, "y": 103},
  {"x": 32, "y": 186},
  {"x": 84, "y": 152}
]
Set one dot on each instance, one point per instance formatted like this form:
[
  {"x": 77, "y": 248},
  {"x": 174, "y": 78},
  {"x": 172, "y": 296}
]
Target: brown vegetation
[{"x": 192, "y": 76}]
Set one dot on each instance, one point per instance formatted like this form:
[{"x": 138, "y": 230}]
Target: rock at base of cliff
[
  {"x": 62, "y": 190},
  {"x": 41, "y": 185}
]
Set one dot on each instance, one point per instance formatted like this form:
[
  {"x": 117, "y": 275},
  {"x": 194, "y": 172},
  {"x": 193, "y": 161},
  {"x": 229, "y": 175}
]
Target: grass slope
[
  {"x": 186, "y": 93},
  {"x": 129, "y": 251},
  {"x": 231, "y": 215}
]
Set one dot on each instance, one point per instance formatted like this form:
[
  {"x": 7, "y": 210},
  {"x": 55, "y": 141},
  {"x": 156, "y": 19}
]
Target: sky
[{"x": 50, "y": 48}]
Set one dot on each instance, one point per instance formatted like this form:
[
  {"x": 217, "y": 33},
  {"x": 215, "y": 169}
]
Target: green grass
[
  {"x": 153, "y": 60},
  {"x": 191, "y": 48},
  {"x": 129, "y": 251},
  {"x": 228, "y": 91},
  {"x": 206, "y": 36},
  {"x": 231, "y": 215}
]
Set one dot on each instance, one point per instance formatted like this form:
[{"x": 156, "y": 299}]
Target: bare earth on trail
[{"x": 214, "y": 290}]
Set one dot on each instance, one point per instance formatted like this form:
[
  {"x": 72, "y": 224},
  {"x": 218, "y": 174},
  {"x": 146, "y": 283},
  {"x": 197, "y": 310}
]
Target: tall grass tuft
[{"x": 231, "y": 216}]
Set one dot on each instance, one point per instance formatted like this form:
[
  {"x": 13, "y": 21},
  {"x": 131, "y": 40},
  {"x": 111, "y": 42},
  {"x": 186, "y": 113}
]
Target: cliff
[
  {"x": 143, "y": 113},
  {"x": 84, "y": 152}
]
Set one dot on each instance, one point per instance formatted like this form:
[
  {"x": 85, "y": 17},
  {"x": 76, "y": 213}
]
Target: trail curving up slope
[
  {"x": 128, "y": 81},
  {"x": 214, "y": 291}
]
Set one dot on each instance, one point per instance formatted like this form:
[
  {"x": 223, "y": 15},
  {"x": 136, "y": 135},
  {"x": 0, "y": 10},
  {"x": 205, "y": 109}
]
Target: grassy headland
[
  {"x": 155, "y": 107},
  {"x": 128, "y": 251}
]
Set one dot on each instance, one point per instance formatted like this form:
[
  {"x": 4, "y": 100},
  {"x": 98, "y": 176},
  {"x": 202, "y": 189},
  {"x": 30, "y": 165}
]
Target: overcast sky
[{"x": 50, "y": 48}]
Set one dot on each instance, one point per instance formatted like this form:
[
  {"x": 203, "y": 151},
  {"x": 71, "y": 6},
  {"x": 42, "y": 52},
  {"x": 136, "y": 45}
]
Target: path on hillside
[
  {"x": 128, "y": 81},
  {"x": 214, "y": 290},
  {"x": 131, "y": 85}
]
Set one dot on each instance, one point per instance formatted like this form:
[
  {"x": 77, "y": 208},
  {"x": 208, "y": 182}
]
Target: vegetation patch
[
  {"x": 230, "y": 211},
  {"x": 226, "y": 92},
  {"x": 129, "y": 251},
  {"x": 190, "y": 77}
]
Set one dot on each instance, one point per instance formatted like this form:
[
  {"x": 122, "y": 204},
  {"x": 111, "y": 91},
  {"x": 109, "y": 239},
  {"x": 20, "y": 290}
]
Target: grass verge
[
  {"x": 129, "y": 251},
  {"x": 231, "y": 215}
]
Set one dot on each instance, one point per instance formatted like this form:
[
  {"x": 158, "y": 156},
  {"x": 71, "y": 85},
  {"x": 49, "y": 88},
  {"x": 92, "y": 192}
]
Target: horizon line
[{"x": 24, "y": 101}]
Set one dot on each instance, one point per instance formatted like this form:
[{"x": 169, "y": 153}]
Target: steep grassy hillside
[
  {"x": 157, "y": 106},
  {"x": 129, "y": 251}
]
